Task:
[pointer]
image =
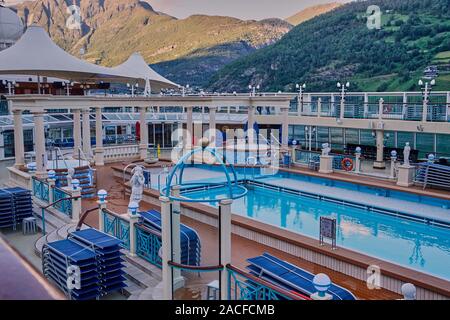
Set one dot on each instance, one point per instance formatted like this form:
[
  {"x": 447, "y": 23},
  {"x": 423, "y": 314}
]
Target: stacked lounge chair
[
  {"x": 291, "y": 277},
  {"x": 15, "y": 205},
  {"x": 98, "y": 257},
  {"x": 109, "y": 257},
  {"x": 189, "y": 238}
]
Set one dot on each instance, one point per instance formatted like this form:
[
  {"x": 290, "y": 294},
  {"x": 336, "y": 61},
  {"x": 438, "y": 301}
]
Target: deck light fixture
[
  {"x": 102, "y": 194},
  {"x": 75, "y": 184},
  {"x": 301, "y": 88},
  {"x": 322, "y": 283},
  {"x": 51, "y": 174},
  {"x": 12, "y": 85},
  {"x": 253, "y": 90},
  {"x": 133, "y": 208}
]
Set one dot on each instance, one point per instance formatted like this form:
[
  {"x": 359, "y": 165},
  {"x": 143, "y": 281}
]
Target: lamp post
[
  {"x": 358, "y": 152},
  {"x": 133, "y": 88},
  {"x": 309, "y": 132},
  {"x": 184, "y": 90},
  {"x": 343, "y": 87},
  {"x": 426, "y": 92},
  {"x": 393, "y": 162},
  {"x": 301, "y": 88},
  {"x": 68, "y": 85},
  {"x": 85, "y": 87},
  {"x": 253, "y": 90},
  {"x": 11, "y": 86},
  {"x": 45, "y": 86}
]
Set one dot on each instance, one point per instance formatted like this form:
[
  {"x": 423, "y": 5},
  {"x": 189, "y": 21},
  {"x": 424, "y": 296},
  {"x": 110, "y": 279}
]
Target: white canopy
[
  {"x": 36, "y": 54},
  {"x": 136, "y": 66}
]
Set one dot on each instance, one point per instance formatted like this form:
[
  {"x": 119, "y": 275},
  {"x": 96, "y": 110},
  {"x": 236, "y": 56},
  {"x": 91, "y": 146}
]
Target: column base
[
  {"x": 178, "y": 283},
  {"x": 379, "y": 165},
  {"x": 405, "y": 176},
  {"x": 143, "y": 151},
  {"x": 315, "y": 296},
  {"x": 326, "y": 164},
  {"x": 99, "y": 157}
]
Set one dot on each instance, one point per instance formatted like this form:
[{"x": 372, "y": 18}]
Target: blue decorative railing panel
[
  {"x": 41, "y": 190},
  {"x": 241, "y": 287},
  {"x": 64, "y": 206},
  {"x": 148, "y": 245},
  {"x": 117, "y": 227}
]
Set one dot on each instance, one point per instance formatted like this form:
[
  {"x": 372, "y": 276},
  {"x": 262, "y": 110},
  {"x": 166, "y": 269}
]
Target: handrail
[
  {"x": 60, "y": 200},
  {"x": 148, "y": 230},
  {"x": 195, "y": 268},
  {"x": 268, "y": 284},
  {"x": 62, "y": 157},
  {"x": 84, "y": 216}
]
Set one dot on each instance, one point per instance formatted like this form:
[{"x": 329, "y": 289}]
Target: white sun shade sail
[
  {"x": 136, "y": 66},
  {"x": 36, "y": 54}
]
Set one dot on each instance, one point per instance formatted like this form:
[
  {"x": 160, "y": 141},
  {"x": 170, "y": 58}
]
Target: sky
[{"x": 243, "y": 9}]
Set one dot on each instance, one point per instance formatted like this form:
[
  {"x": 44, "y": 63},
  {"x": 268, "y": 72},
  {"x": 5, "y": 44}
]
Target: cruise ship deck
[{"x": 168, "y": 194}]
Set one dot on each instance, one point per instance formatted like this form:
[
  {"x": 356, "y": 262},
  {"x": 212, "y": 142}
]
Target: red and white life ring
[{"x": 347, "y": 164}]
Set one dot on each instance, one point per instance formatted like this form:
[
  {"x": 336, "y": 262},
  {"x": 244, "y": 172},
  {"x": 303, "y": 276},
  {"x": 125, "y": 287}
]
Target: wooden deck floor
[{"x": 242, "y": 248}]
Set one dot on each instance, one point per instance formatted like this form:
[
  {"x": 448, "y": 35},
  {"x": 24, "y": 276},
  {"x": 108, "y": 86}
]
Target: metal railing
[
  {"x": 432, "y": 175},
  {"x": 148, "y": 245},
  {"x": 41, "y": 189},
  {"x": 245, "y": 286},
  {"x": 117, "y": 226},
  {"x": 55, "y": 204},
  {"x": 62, "y": 201}
]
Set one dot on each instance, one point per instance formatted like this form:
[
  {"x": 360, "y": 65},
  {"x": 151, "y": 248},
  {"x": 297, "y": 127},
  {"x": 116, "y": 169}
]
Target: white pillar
[
  {"x": 285, "y": 128},
  {"x": 188, "y": 135},
  {"x": 76, "y": 131},
  {"x": 342, "y": 114},
  {"x": 332, "y": 105},
  {"x": 358, "y": 163},
  {"x": 366, "y": 105},
  {"x": 447, "y": 108},
  {"x": 212, "y": 126},
  {"x": 39, "y": 140},
  {"x": 101, "y": 221},
  {"x": 99, "y": 151},
  {"x": 405, "y": 175},
  {"x": 178, "y": 280},
  {"x": 425, "y": 103},
  {"x": 379, "y": 163},
  {"x": 392, "y": 169},
  {"x": 405, "y": 105},
  {"x": 86, "y": 132},
  {"x": 133, "y": 220},
  {"x": 143, "y": 146},
  {"x": 319, "y": 107},
  {"x": 51, "y": 185},
  {"x": 380, "y": 108},
  {"x": 18, "y": 139},
  {"x": 167, "y": 248},
  {"x": 251, "y": 124},
  {"x": 225, "y": 245},
  {"x": 76, "y": 204},
  {"x": 326, "y": 164}
]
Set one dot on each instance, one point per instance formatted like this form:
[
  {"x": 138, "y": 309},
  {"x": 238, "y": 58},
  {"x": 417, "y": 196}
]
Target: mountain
[
  {"x": 338, "y": 46},
  {"x": 184, "y": 50},
  {"x": 312, "y": 12}
]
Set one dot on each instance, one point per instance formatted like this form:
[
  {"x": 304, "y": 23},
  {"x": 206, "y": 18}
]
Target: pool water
[{"x": 407, "y": 243}]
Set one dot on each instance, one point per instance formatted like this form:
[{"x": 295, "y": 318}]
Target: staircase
[{"x": 85, "y": 175}]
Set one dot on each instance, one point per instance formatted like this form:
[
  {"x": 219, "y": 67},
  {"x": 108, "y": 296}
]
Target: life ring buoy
[{"x": 347, "y": 164}]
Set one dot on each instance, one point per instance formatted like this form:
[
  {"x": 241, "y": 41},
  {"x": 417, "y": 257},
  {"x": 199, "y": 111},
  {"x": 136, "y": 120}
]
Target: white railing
[{"x": 123, "y": 152}]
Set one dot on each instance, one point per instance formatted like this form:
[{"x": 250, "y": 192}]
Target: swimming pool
[{"x": 411, "y": 244}]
